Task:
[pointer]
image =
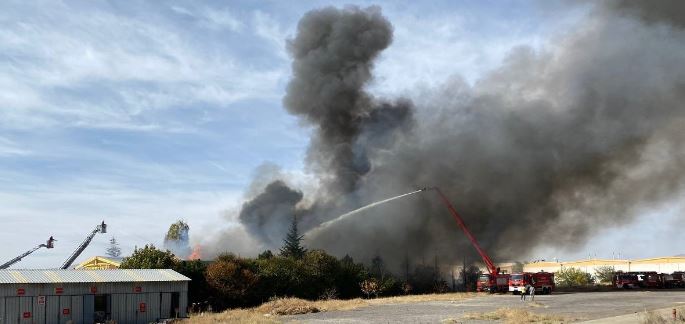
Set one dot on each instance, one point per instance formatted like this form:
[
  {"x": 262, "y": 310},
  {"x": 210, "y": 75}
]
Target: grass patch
[
  {"x": 296, "y": 306},
  {"x": 421, "y": 298},
  {"x": 536, "y": 305},
  {"x": 653, "y": 317},
  {"x": 269, "y": 312},
  {"x": 516, "y": 316},
  {"x": 233, "y": 316}
]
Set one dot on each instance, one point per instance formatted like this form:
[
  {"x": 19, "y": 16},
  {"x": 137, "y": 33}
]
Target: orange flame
[{"x": 197, "y": 253}]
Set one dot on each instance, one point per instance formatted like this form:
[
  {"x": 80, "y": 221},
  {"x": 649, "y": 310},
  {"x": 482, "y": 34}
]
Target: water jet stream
[{"x": 324, "y": 225}]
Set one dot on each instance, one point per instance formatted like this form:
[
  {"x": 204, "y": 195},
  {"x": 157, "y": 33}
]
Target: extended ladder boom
[
  {"x": 49, "y": 245},
  {"x": 491, "y": 266},
  {"x": 102, "y": 228}
]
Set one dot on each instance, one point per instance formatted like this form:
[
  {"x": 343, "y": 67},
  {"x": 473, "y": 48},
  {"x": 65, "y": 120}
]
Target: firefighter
[
  {"x": 532, "y": 293},
  {"x": 532, "y": 289},
  {"x": 524, "y": 292}
]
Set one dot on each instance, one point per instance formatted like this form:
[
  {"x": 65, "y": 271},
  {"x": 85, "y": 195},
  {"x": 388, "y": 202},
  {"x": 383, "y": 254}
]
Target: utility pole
[
  {"x": 454, "y": 284},
  {"x": 406, "y": 266},
  {"x": 436, "y": 273},
  {"x": 463, "y": 269}
]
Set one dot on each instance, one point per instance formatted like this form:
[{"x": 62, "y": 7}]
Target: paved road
[{"x": 575, "y": 306}]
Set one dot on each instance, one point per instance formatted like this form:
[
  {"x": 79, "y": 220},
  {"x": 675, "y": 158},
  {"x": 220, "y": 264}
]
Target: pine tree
[
  {"x": 292, "y": 244},
  {"x": 113, "y": 250}
]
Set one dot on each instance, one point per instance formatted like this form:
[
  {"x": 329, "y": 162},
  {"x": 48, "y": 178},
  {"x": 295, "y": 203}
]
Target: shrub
[
  {"x": 572, "y": 277},
  {"x": 233, "y": 278},
  {"x": 604, "y": 273},
  {"x": 150, "y": 257}
]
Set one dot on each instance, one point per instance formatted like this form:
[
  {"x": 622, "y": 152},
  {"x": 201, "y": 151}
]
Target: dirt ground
[{"x": 572, "y": 306}]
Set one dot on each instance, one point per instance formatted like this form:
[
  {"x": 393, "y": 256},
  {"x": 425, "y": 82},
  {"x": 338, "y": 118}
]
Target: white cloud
[
  {"x": 10, "y": 148},
  {"x": 95, "y": 67},
  {"x": 271, "y": 30},
  {"x": 70, "y": 211}
]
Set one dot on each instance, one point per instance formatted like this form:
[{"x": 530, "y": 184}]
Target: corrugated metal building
[{"x": 90, "y": 296}]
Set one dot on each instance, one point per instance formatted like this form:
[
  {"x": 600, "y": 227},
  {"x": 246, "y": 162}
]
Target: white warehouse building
[
  {"x": 660, "y": 265},
  {"x": 126, "y": 296}
]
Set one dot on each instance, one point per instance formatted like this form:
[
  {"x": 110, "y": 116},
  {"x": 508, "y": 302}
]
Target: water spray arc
[
  {"x": 492, "y": 269},
  {"x": 350, "y": 213}
]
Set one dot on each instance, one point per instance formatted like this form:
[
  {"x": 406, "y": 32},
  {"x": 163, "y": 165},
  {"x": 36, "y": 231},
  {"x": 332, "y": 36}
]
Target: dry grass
[
  {"x": 516, "y": 316},
  {"x": 269, "y": 312},
  {"x": 536, "y": 305},
  {"x": 233, "y": 316},
  {"x": 653, "y": 317},
  {"x": 421, "y": 298},
  {"x": 296, "y": 306}
]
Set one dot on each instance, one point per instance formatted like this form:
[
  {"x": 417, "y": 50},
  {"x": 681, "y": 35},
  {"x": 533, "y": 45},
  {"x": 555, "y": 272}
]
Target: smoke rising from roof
[{"x": 545, "y": 149}]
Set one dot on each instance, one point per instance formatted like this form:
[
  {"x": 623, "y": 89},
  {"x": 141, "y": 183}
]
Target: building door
[
  {"x": 174, "y": 304},
  {"x": 53, "y": 313},
  {"x": 12, "y": 312},
  {"x": 165, "y": 306},
  {"x": 65, "y": 309},
  {"x": 101, "y": 309}
]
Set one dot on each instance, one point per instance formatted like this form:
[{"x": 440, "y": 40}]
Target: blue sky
[{"x": 144, "y": 112}]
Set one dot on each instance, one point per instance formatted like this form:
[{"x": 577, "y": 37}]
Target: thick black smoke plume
[
  {"x": 333, "y": 56},
  {"x": 543, "y": 150}
]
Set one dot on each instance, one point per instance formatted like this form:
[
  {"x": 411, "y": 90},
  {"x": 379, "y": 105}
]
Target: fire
[{"x": 197, "y": 253}]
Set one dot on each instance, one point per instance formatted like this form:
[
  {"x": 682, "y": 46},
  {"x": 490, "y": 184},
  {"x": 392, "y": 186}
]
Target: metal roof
[{"x": 85, "y": 276}]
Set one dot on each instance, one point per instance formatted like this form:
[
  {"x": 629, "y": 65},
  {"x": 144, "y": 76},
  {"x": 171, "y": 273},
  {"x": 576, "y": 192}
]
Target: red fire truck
[
  {"x": 625, "y": 280},
  {"x": 542, "y": 281},
  {"x": 493, "y": 283},
  {"x": 649, "y": 279},
  {"x": 674, "y": 280}
]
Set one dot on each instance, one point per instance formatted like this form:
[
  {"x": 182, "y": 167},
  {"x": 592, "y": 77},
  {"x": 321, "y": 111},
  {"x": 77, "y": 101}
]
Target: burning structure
[{"x": 546, "y": 148}]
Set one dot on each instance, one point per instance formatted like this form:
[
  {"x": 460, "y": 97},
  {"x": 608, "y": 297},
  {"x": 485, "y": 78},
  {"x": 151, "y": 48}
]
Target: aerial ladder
[
  {"x": 48, "y": 244},
  {"x": 500, "y": 280},
  {"x": 102, "y": 228}
]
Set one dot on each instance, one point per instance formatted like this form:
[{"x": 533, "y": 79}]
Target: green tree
[
  {"x": 265, "y": 255},
  {"x": 177, "y": 239},
  {"x": 572, "y": 277},
  {"x": 350, "y": 277},
  {"x": 604, "y": 273},
  {"x": 234, "y": 279},
  {"x": 150, "y": 257},
  {"x": 198, "y": 289},
  {"x": 177, "y": 231},
  {"x": 292, "y": 244},
  {"x": 320, "y": 271},
  {"x": 113, "y": 250}
]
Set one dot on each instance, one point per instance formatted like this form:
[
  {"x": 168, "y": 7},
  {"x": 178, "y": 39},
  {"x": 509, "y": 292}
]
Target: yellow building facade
[
  {"x": 661, "y": 265},
  {"x": 100, "y": 263}
]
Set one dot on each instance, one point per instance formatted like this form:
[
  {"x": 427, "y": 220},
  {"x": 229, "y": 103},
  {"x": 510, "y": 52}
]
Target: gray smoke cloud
[
  {"x": 655, "y": 11},
  {"x": 545, "y": 149},
  {"x": 266, "y": 215}
]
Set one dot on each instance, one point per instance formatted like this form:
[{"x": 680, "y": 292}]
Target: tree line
[{"x": 234, "y": 281}]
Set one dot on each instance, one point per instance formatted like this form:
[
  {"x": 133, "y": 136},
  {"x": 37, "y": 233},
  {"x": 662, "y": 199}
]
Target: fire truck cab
[
  {"x": 542, "y": 281},
  {"x": 625, "y": 280},
  {"x": 649, "y": 279},
  {"x": 493, "y": 282},
  {"x": 674, "y": 280}
]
